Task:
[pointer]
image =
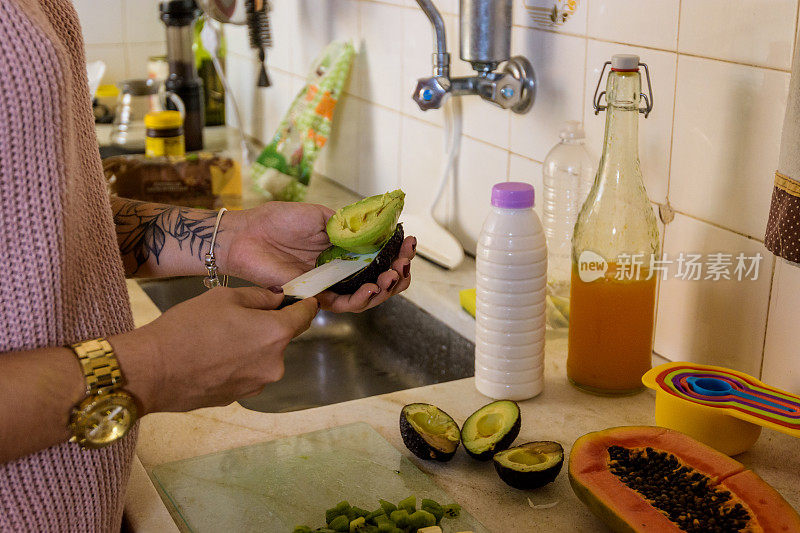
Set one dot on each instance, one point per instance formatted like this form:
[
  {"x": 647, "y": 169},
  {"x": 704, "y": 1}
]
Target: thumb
[
  {"x": 257, "y": 297},
  {"x": 298, "y": 316}
]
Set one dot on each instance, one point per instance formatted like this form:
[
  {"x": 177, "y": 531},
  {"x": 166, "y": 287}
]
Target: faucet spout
[{"x": 441, "y": 59}]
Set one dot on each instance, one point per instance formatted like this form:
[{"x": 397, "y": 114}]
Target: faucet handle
[{"x": 430, "y": 93}]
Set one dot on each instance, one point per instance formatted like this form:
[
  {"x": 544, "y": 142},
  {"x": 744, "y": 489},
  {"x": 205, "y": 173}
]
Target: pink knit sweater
[{"x": 63, "y": 278}]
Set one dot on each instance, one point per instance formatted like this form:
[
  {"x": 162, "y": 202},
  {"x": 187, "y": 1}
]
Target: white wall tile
[
  {"x": 652, "y": 23},
  {"x": 101, "y": 25},
  {"x": 523, "y": 169},
  {"x": 421, "y": 158},
  {"x": 781, "y": 365},
  {"x": 138, "y": 54},
  {"x": 713, "y": 322},
  {"x": 378, "y": 72},
  {"x": 340, "y": 158},
  {"x": 538, "y": 14},
  {"x": 241, "y": 72},
  {"x": 379, "y": 144},
  {"x": 485, "y": 121},
  {"x": 655, "y": 132},
  {"x": 559, "y": 64},
  {"x": 285, "y": 29},
  {"x": 142, "y": 21},
  {"x": 748, "y": 31},
  {"x": 480, "y": 167},
  {"x": 113, "y": 55},
  {"x": 236, "y": 38},
  {"x": 314, "y": 24},
  {"x": 726, "y": 140}
]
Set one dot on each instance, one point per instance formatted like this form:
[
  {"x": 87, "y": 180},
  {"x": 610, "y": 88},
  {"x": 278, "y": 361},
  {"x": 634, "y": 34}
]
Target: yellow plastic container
[
  {"x": 730, "y": 422},
  {"x": 164, "y": 135}
]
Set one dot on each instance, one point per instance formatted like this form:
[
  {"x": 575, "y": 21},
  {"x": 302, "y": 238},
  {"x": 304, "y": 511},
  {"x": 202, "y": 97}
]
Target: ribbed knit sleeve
[{"x": 63, "y": 279}]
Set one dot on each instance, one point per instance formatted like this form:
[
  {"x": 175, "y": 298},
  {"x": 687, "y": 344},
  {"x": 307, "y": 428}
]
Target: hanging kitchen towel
[{"x": 783, "y": 226}]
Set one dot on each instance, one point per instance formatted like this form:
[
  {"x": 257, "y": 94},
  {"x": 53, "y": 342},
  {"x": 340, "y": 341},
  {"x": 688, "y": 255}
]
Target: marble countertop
[{"x": 560, "y": 413}]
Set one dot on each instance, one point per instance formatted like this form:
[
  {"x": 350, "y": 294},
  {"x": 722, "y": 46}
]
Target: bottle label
[{"x": 591, "y": 266}]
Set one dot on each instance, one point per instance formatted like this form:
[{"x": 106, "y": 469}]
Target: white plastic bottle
[
  {"x": 568, "y": 173},
  {"x": 511, "y": 278}
]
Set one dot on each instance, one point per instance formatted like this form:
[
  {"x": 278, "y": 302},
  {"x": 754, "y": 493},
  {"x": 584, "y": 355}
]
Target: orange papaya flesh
[
  {"x": 772, "y": 513},
  {"x": 642, "y": 478}
]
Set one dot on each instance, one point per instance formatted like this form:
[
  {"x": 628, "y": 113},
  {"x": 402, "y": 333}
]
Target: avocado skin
[
  {"x": 502, "y": 444},
  {"x": 379, "y": 265},
  {"x": 528, "y": 480},
  {"x": 418, "y": 445}
]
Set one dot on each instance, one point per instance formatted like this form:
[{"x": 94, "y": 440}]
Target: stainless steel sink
[{"x": 343, "y": 357}]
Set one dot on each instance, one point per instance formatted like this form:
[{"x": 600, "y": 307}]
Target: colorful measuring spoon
[{"x": 724, "y": 408}]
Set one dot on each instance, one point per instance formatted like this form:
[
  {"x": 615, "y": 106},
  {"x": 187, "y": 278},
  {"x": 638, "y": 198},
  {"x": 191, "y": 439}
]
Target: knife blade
[{"x": 324, "y": 276}]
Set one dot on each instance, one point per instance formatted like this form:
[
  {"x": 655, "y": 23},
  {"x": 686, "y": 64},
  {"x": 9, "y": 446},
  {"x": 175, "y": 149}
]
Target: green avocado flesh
[
  {"x": 491, "y": 428},
  {"x": 429, "y": 432},
  {"x": 363, "y": 227},
  {"x": 530, "y": 465},
  {"x": 368, "y": 274}
]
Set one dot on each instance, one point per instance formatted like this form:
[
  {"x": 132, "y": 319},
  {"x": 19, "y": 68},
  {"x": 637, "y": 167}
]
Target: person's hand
[
  {"x": 276, "y": 242},
  {"x": 221, "y": 346}
]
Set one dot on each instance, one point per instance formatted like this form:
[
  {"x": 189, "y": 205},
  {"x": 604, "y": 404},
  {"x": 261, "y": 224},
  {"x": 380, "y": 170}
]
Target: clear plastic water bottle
[
  {"x": 511, "y": 273},
  {"x": 569, "y": 171}
]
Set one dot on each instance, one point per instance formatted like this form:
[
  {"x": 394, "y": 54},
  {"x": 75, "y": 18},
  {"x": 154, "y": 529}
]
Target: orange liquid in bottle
[{"x": 610, "y": 332}]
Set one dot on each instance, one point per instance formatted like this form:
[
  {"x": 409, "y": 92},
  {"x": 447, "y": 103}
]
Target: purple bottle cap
[{"x": 512, "y": 195}]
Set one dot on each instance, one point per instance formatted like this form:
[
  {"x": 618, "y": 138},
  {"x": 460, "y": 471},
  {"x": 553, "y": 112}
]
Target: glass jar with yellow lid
[{"x": 164, "y": 134}]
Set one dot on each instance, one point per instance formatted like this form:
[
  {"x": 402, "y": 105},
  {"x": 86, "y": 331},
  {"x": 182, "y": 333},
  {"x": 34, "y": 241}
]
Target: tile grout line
[{"x": 766, "y": 319}]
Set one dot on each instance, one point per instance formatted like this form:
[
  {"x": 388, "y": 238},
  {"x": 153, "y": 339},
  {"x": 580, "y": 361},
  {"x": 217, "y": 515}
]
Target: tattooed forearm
[{"x": 144, "y": 231}]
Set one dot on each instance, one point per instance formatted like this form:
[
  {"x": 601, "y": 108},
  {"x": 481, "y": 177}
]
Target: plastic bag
[{"x": 284, "y": 168}]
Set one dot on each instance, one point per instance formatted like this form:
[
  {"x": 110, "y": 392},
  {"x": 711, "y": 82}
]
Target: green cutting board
[{"x": 274, "y": 486}]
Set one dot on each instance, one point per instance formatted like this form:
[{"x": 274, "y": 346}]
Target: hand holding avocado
[{"x": 276, "y": 242}]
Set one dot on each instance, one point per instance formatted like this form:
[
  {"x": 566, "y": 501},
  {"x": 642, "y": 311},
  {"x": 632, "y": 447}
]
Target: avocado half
[
  {"x": 491, "y": 428},
  {"x": 530, "y": 465},
  {"x": 429, "y": 432},
  {"x": 363, "y": 227},
  {"x": 368, "y": 274}
]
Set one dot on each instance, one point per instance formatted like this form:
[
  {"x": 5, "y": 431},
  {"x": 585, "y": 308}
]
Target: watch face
[{"x": 104, "y": 418}]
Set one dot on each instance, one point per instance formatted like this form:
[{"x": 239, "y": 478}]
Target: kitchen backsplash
[
  {"x": 720, "y": 75},
  {"x": 123, "y": 34}
]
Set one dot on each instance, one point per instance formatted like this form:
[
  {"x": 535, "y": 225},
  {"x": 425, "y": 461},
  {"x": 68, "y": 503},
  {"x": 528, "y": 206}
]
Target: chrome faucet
[{"x": 485, "y": 44}]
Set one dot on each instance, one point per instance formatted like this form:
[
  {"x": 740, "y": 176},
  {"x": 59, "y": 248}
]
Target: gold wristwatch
[{"x": 107, "y": 413}]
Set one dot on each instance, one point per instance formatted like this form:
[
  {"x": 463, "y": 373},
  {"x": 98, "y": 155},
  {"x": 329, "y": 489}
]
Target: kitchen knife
[{"x": 324, "y": 276}]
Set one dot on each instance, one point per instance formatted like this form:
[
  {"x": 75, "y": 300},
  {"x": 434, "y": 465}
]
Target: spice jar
[{"x": 164, "y": 134}]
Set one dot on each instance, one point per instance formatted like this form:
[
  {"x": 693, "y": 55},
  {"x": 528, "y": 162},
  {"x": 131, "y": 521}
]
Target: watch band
[{"x": 99, "y": 364}]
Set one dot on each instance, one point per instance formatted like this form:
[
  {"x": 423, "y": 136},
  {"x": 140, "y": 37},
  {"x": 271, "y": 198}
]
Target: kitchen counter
[{"x": 560, "y": 413}]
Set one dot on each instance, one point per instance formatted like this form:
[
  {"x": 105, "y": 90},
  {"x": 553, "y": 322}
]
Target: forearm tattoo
[{"x": 143, "y": 229}]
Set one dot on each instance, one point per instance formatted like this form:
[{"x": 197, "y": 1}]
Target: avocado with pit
[
  {"x": 429, "y": 432},
  {"x": 530, "y": 465},
  {"x": 364, "y": 227},
  {"x": 491, "y": 429}
]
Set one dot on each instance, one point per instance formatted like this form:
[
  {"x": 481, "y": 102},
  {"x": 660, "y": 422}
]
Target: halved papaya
[{"x": 642, "y": 478}]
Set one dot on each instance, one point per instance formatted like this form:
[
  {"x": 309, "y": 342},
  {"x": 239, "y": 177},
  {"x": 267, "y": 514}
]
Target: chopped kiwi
[
  {"x": 491, "y": 428},
  {"x": 421, "y": 518},
  {"x": 368, "y": 274},
  {"x": 363, "y": 227},
  {"x": 429, "y": 432},
  {"x": 530, "y": 465}
]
